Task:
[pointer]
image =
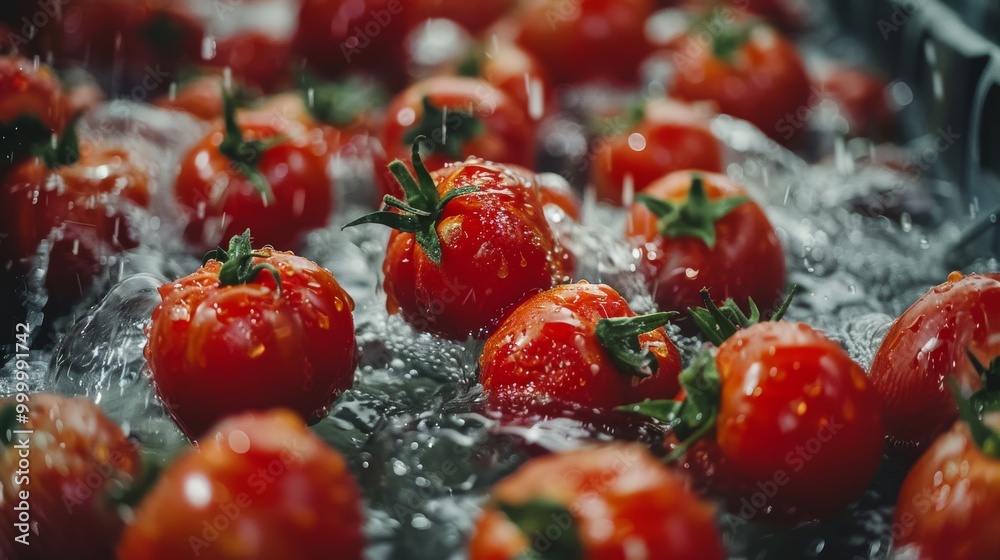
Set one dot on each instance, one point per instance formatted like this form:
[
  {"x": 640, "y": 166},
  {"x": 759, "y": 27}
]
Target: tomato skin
[
  {"x": 576, "y": 369},
  {"x": 765, "y": 84},
  {"x": 794, "y": 403},
  {"x": 588, "y": 40},
  {"x": 509, "y": 135},
  {"x": 281, "y": 491},
  {"x": 201, "y": 98},
  {"x": 746, "y": 262},
  {"x": 336, "y": 36},
  {"x": 254, "y": 58},
  {"x": 948, "y": 320},
  {"x": 621, "y": 499},
  {"x": 949, "y": 505},
  {"x": 217, "y": 350},
  {"x": 295, "y": 170},
  {"x": 675, "y": 137},
  {"x": 27, "y": 90},
  {"x": 78, "y": 458},
  {"x": 862, "y": 100},
  {"x": 512, "y": 70},
  {"x": 497, "y": 249}
]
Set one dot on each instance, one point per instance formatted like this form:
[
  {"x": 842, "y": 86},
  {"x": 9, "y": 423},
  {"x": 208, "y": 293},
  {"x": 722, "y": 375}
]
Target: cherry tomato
[
  {"x": 586, "y": 40},
  {"x": 335, "y": 36},
  {"x": 254, "y": 57},
  {"x": 479, "y": 245},
  {"x": 460, "y": 117},
  {"x": 200, "y": 98},
  {"x": 227, "y": 338},
  {"x": 600, "y": 503},
  {"x": 261, "y": 486},
  {"x": 251, "y": 174},
  {"x": 27, "y": 88},
  {"x": 736, "y": 256},
  {"x": 862, "y": 100},
  {"x": 928, "y": 342},
  {"x": 61, "y": 482},
  {"x": 949, "y": 505},
  {"x": 579, "y": 344},
  {"x": 82, "y": 192},
  {"x": 749, "y": 70},
  {"x": 514, "y": 71},
  {"x": 670, "y": 137}
]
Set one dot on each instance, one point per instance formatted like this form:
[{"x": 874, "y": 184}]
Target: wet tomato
[
  {"x": 862, "y": 100},
  {"x": 669, "y": 136},
  {"x": 458, "y": 118},
  {"x": 600, "y": 503},
  {"x": 512, "y": 70},
  {"x": 929, "y": 341},
  {"x": 260, "y": 485},
  {"x": 587, "y": 40},
  {"x": 793, "y": 432},
  {"x": 470, "y": 243},
  {"x": 579, "y": 344},
  {"x": 228, "y": 338},
  {"x": 254, "y": 57},
  {"x": 29, "y": 88},
  {"x": 63, "y": 480},
  {"x": 748, "y": 69},
  {"x": 253, "y": 175},
  {"x": 698, "y": 230},
  {"x": 949, "y": 505}
]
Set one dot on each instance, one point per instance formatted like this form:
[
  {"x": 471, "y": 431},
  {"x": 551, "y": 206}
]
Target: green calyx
[
  {"x": 244, "y": 155},
  {"x": 694, "y": 217},
  {"x": 695, "y": 416},
  {"x": 719, "y": 323},
  {"x": 620, "y": 338},
  {"x": 237, "y": 263},
  {"x": 970, "y": 412},
  {"x": 619, "y": 123},
  {"x": 988, "y": 397},
  {"x": 540, "y": 519},
  {"x": 339, "y": 103},
  {"x": 444, "y": 131},
  {"x": 728, "y": 37},
  {"x": 133, "y": 493},
  {"x": 420, "y": 212},
  {"x": 62, "y": 152}
]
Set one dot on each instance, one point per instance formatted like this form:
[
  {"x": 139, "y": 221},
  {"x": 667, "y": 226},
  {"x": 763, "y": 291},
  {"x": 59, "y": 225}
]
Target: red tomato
[
  {"x": 133, "y": 46},
  {"x": 512, "y": 70},
  {"x": 62, "y": 480},
  {"x": 474, "y": 17},
  {"x": 467, "y": 117},
  {"x": 587, "y": 360},
  {"x": 749, "y": 70},
  {"x": 586, "y": 40},
  {"x": 608, "y": 503},
  {"x": 32, "y": 89},
  {"x": 670, "y": 137},
  {"x": 254, "y": 58},
  {"x": 786, "y": 390},
  {"x": 335, "y": 36},
  {"x": 226, "y": 338},
  {"x": 489, "y": 247},
  {"x": 863, "y": 102},
  {"x": 745, "y": 259},
  {"x": 949, "y": 505},
  {"x": 83, "y": 199},
  {"x": 925, "y": 344},
  {"x": 200, "y": 98},
  {"x": 253, "y": 175},
  {"x": 262, "y": 486}
]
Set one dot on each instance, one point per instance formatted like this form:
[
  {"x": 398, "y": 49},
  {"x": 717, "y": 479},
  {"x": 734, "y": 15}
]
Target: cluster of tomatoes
[{"x": 771, "y": 421}]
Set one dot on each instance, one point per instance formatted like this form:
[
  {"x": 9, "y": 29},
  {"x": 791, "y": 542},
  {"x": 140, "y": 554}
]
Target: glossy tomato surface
[
  {"x": 27, "y": 88},
  {"x": 928, "y": 343},
  {"x": 219, "y": 201},
  {"x": 62, "y": 479},
  {"x": 949, "y": 505},
  {"x": 216, "y": 350},
  {"x": 671, "y": 136},
  {"x": 260, "y": 486},
  {"x": 747, "y": 260},
  {"x": 619, "y": 500},
  {"x": 798, "y": 423},
  {"x": 547, "y": 350},
  {"x": 497, "y": 249}
]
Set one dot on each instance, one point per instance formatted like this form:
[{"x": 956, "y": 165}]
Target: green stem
[
  {"x": 245, "y": 155},
  {"x": 694, "y": 217},
  {"x": 620, "y": 338},
  {"x": 237, "y": 263},
  {"x": 985, "y": 437},
  {"x": 719, "y": 323}
]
